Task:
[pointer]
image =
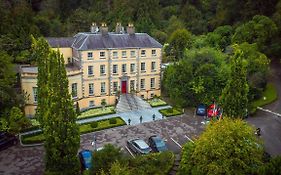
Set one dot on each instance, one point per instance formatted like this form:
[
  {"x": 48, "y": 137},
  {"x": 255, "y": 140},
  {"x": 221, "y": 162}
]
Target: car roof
[
  {"x": 141, "y": 143},
  {"x": 86, "y": 153}
]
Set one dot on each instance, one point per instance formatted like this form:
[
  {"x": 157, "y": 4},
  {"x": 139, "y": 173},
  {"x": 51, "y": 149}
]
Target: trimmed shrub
[
  {"x": 94, "y": 124},
  {"x": 112, "y": 121}
]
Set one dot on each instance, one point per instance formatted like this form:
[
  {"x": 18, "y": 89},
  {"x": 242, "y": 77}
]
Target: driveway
[
  {"x": 271, "y": 124},
  {"x": 19, "y": 160}
]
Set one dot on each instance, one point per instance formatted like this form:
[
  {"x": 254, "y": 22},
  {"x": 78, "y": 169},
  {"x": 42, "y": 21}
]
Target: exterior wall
[
  {"x": 66, "y": 52},
  {"x": 83, "y": 80}
]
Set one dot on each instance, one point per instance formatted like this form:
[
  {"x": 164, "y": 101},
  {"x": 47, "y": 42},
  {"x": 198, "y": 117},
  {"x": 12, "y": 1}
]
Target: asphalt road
[{"x": 271, "y": 124}]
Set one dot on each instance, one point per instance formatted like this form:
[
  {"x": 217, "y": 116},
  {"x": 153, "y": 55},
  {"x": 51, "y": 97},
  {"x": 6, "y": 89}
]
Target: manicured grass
[
  {"x": 84, "y": 128},
  {"x": 268, "y": 96},
  {"x": 156, "y": 102},
  {"x": 97, "y": 112},
  {"x": 171, "y": 112}
]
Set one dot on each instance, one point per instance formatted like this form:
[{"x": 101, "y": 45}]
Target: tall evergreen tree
[
  {"x": 56, "y": 112},
  {"x": 234, "y": 99}
]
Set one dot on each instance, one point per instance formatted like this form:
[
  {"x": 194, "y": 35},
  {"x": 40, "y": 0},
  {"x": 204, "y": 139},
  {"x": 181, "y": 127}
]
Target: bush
[
  {"x": 170, "y": 110},
  {"x": 94, "y": 124},
  {"x": 112, "y": 121}
]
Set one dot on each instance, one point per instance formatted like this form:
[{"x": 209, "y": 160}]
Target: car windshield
[{"x": 159, "y": 142}]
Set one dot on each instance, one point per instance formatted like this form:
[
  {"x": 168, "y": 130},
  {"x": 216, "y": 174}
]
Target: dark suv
[{"x": 7, "y": 140}]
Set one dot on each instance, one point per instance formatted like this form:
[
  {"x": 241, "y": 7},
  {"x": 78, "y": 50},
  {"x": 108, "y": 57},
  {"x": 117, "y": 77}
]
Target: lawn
[
  {"x": 84, "y": 128},
  {"x": 171, "y": 112},
  {"x": 268, "y": 96},
  {"x": 97, "y": 112},
  {"x": 156, "y": 102}
]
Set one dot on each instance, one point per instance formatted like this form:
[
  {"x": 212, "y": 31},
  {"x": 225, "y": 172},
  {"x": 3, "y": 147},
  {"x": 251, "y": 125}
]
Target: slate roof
[
  {"x": 60, "y": 42},
  {"x": 94, "y": 41}
]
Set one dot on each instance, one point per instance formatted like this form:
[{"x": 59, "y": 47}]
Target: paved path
[
  {"x": 19, "y": 160},
  {"x": 270, "y": 123}
]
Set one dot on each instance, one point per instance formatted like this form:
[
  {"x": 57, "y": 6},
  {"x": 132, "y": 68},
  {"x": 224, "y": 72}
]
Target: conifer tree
[
  {"x": 56, "y": 113},
  {"x": 234, "y": 99}
]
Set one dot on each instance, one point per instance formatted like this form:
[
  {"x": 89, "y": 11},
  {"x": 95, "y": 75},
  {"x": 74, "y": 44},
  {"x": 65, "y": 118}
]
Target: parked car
[
  {"x": 157, "y": 144},
  {"x": 85, "y": 157},
  {"x": 7, "y": 140},
  {"x": 201, "y": 110},
  {"x": 138, "y": 146},
  {"x": 213, "y": 111}
]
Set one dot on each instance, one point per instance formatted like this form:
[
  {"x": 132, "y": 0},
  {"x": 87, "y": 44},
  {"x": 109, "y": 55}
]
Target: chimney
[
  {"x": 104, "y": 29},
  {"x": 130, "y": 29},
  {"x": 94, "y": 28},
  {"x": 119, "y": 28}
]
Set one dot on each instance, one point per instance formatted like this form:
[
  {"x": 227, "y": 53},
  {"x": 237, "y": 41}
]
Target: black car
[
  {"x": 201, "y": 110},
  {"x": 7, "y": 140},
  {"x": 138, "y": 146},
  {"x": 157, "y": 144}
]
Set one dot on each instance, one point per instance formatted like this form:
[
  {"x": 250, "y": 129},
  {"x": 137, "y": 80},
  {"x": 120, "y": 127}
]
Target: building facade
[{"x": 101, "y": 65}]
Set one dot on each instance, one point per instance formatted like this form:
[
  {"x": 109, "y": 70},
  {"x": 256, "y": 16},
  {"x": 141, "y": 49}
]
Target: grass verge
[
  {"x": 268, "y": 96},
  {"x": 171, "y": 112},
  {"x": 84, "y": 128},
  {"x": 155, "y": 102}
]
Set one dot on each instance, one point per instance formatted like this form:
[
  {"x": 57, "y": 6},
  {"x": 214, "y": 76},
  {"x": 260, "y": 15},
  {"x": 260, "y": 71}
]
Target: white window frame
[
  {"x": 115, "y": 54},
  {"x": 153, "y": 54},
  {"x": 143, "y": 53},
  {"x": 152, "y": 83},
  {"x": 142, "y": 66},
  {"x": 133, "y": 53},
  {"x": 90, "y": 70},
  {"x": 132, "y": 67},
  {"x": 90, "y": 55},
  {"x": 102, "y": 88},
  {"x": 115, "y": 69},
  {"x": 124, "y": 55},
  {"x": 124, "y": 68},
  {"x": 142, "y": 83},
  {"x": 74, "y": 92},
  {"x": 115, "y": 86},
  {"x": 102, "y": 55},
  {"x": 132, "y": 84},
  {"x": 35, "y": 94},
  {"x": 153, "y": 65},
  {"x": 102, "y": 69},
  {"x": 91, "y": 88},
  {"x": 91, "y": 103}
]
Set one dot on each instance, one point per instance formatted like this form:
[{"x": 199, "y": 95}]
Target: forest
[{"x": 211, "y": 25}]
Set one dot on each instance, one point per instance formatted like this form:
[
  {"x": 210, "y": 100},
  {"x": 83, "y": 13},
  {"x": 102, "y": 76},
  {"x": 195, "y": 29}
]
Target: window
[
  {"x": 142, "y": 66},
  {"x": 153, "y": 65},
  {"x": 153, "y": 52},
  {"x": 133, "y": 53},
  {"x": 102, "y": 54},
  {"x": 151, "y": 95},
  {"x": 91, "y": 104},
  {"x": 143, "y": 53},
  {"x": 91, "y": 88},
  {"x": 90, "y": 55},
  {"x": 124, "y": 54},
  {"x": 35, "y": 94},
  {"x": 115, "y": 54},
  {"x": 102, "y": 69},
  {"x": 90, "y": 70},
  {"x": 74, "y": 90},
  {"x": 142, "y": 84},
  {"x": 115, "y": 86},
  {"x": 132, "y": 84},
  {"x": 132, "y": 67},
  {"x": 124, "y": 66},
  {"x": 115, "y": 68},
  {"x": 152, "y": 83},
  {"x": 142, "y": 96},
  {"x": 102, "y": 89}
]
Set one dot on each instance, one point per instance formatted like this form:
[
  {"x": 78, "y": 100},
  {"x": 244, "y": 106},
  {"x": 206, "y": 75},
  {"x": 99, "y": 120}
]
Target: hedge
[
  {"x": 157, "y": 102},
  {"x": 84, "y": 128},
  {"x": 171, "y": 112},
  {"x": 96, "y": 115}
]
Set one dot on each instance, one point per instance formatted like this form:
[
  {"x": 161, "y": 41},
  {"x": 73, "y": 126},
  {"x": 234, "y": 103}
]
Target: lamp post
[{"x": 94, "y": 143}]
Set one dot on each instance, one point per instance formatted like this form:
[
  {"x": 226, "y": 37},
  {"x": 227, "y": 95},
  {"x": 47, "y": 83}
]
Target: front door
[{"x": 124, "y": 87}]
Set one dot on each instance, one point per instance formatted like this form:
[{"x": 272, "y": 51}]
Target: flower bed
[
  {"x": 171, "y": 112},
  {"x": 95, "y": 112},
  {"x": 84, "y": 128}
]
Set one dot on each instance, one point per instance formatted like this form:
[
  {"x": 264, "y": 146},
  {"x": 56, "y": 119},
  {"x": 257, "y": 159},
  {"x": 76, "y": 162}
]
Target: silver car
[{"x": 138, "y": 146}]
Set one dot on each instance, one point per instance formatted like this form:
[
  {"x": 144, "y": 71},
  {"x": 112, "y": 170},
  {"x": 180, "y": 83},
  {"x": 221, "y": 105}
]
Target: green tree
[
  {"x": 225, "y": 147},
  {"x": 178, "y": 42},
  {"x": 273, "y": 167},
  {"x": 234, "y": 98},
  {"x": 77, "y": 108},
  {"x": 56, "y": 113},
  {"x": 17, "y": 121},
  {"x": 103, "y": 103}
]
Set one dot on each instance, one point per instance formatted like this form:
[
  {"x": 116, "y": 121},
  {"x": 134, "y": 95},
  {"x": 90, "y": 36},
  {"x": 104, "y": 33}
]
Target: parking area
[{"x": 18, "y": 160}]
